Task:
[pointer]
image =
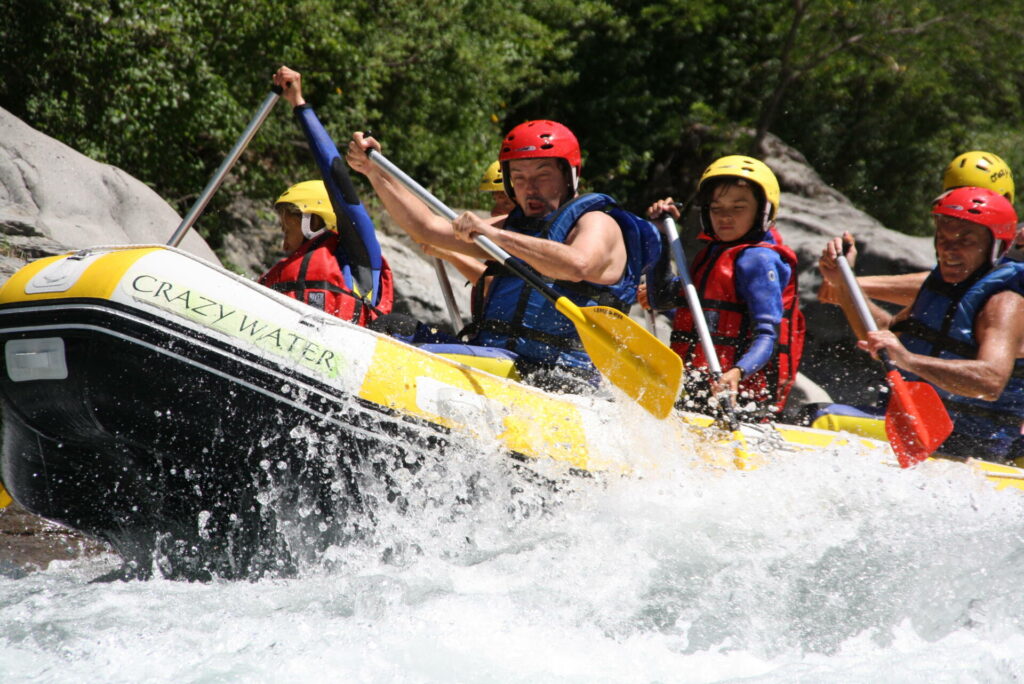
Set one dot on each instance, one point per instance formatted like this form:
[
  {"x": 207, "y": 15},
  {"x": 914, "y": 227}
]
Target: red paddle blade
[{"x": 916, "y": 421}]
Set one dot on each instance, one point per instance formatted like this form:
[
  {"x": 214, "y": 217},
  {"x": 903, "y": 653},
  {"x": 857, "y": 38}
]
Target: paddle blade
[
  {"x": 631, "y": 358},
  {"x": 916, "y": 421},
  {"x": 745, "y": 458}
]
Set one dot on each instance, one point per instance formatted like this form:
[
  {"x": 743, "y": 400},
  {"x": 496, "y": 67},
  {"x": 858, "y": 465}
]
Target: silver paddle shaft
[
  {"x": 696, "y": 310},
  {"x": 853, "y": 288},
  {"x": 439, "y": 207},
  {"x": 225, "y": 166}
]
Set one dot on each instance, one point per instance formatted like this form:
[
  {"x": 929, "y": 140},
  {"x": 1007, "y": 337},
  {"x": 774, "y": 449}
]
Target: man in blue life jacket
[
  {"x": 586, "y": 247},
  {"x": 964, "y": 332}
]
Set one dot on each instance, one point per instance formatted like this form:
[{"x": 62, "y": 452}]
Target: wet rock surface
[{"x": 29, "y": 543}]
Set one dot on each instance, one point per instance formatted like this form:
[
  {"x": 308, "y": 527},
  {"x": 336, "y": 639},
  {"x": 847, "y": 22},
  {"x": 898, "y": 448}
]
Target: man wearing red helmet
[
  {"x": 977, "y": 169},
  {"x": 589, "y": 249},
  {"x": 964, "y": 332}
]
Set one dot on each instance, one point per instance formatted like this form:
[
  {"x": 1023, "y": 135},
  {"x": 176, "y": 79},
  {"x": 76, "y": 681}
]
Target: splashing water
[{"x": 816, "y": 567}]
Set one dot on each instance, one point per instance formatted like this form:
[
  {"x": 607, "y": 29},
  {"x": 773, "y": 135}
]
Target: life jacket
[
  {"x": 714, "y": 272},
  {"x": 512, "y": 315},
  {"x": 941, "y": 324},
  {"x": 315, "y": 273}
]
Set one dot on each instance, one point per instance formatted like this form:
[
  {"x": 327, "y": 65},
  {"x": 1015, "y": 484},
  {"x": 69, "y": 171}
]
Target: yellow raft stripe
[
  {"x": 1001, "y": 476},
  {"x": 418, "y": 383},
  {"x": 408, "y": 380},
  {"x": 98, "y": 280}
]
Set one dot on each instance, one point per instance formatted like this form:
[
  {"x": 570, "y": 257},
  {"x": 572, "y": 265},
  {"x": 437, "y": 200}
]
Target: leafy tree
[
  {"x": 163, "y": 89},
  {"x": 878, "y": 96}
]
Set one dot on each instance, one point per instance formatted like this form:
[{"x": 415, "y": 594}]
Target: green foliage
[
  {"x": 878, "y": 95},
  {"x": 163, "y": 89}
]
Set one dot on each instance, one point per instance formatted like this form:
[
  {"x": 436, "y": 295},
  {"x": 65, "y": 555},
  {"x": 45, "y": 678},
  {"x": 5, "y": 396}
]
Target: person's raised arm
[
  {"x": 470, "y": 268},
  {"x": 594, "y": 250},
  {"x": 356, "y": 233},
  {"x": 408, "y": 211}
]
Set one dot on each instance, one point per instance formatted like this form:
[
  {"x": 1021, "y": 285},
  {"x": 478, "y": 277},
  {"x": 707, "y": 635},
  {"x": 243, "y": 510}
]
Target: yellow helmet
[
  {"x": 980, "y": 170},
  {"x": 311, "y": 198},
  {"x": 751, "y": 169},
  {"x": 492, "y": 179}
]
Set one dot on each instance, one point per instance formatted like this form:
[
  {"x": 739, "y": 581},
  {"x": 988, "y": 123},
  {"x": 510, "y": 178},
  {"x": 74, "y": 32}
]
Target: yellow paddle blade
[
  {"x": 630, "y": 357},
  {"x": 745, "y": 458},
  {"x": 5, "y": 498}
]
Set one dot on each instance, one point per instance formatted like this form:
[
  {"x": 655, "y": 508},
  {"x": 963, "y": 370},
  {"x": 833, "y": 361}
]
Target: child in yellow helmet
[
  {"x": 746, "y": 280},
  {"x": 493, "y": 182},
  {"x": 337, "y": 269}
]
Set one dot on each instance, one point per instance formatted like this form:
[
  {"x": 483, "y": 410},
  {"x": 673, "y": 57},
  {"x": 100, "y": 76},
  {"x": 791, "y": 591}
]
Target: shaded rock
[
  {"x": 29, "y": 542},
  {"x": 810, "y": 214},
  {"x": 54, "y": 198},
  {"x": 253, "y": 245}
]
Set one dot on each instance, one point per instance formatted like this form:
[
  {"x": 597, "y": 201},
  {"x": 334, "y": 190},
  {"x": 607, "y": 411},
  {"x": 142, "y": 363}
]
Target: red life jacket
[
  {"x": 729, "y": 325},
  {"x": 312, "y": 275}
]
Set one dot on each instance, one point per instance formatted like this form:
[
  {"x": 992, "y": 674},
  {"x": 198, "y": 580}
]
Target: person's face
[
  {"x": 539, "y": 185},
  {"x": 291, "y": 227},
  {"x": 961, "y": 247},
  {"x": 733, "y": 209},
  {"x": 502, "y": 204}
]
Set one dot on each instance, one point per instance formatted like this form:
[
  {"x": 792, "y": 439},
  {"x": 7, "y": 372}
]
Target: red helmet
[
  {"x": 981, "y": 206},
  {"x": 537, "y": 140}
]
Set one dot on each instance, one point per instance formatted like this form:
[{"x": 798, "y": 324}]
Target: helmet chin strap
[
  {"x": 996, "y": 249},
  {"x": 307, "y": 232}
]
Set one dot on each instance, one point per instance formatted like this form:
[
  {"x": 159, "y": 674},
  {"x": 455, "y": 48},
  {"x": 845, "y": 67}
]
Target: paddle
[
  {"x": 916, "y": 421},
  {"x": 439, "y": 269},
  {"x": 700, "y": 322},
  {"x": 225, "y": 166},
  {"x": 631, "y": 358},
  {"x": 5, "y": 498}
]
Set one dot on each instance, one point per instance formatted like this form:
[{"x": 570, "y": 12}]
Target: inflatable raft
[{"x": 167, "y": 406}]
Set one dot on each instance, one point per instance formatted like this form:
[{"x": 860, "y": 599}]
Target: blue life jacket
[
  {"x": 358, "y": 251},
  {"x": 941, "y": 324},
  {"x": 514, "y": 316}
]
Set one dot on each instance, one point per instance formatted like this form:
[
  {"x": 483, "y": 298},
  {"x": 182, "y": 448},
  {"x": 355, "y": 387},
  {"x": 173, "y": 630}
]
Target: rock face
[
  {"x": 810, "y": 213},
  {"x": 53, "y": 199}
]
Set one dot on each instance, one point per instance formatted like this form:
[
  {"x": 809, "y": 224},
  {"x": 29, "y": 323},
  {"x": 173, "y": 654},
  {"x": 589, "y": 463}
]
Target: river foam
[{"x": 816, "y": 567}]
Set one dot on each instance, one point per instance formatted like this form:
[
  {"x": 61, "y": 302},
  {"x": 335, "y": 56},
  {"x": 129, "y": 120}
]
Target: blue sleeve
[
  {"x": 761, "y": 275},
  {"x": 356, "y": 234}
]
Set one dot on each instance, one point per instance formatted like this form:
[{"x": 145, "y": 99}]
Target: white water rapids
[{"x": 828, "y": 567}]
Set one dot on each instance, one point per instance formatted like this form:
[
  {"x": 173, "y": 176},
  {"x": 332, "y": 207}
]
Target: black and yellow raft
[{"x": 163, "y": 404}]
